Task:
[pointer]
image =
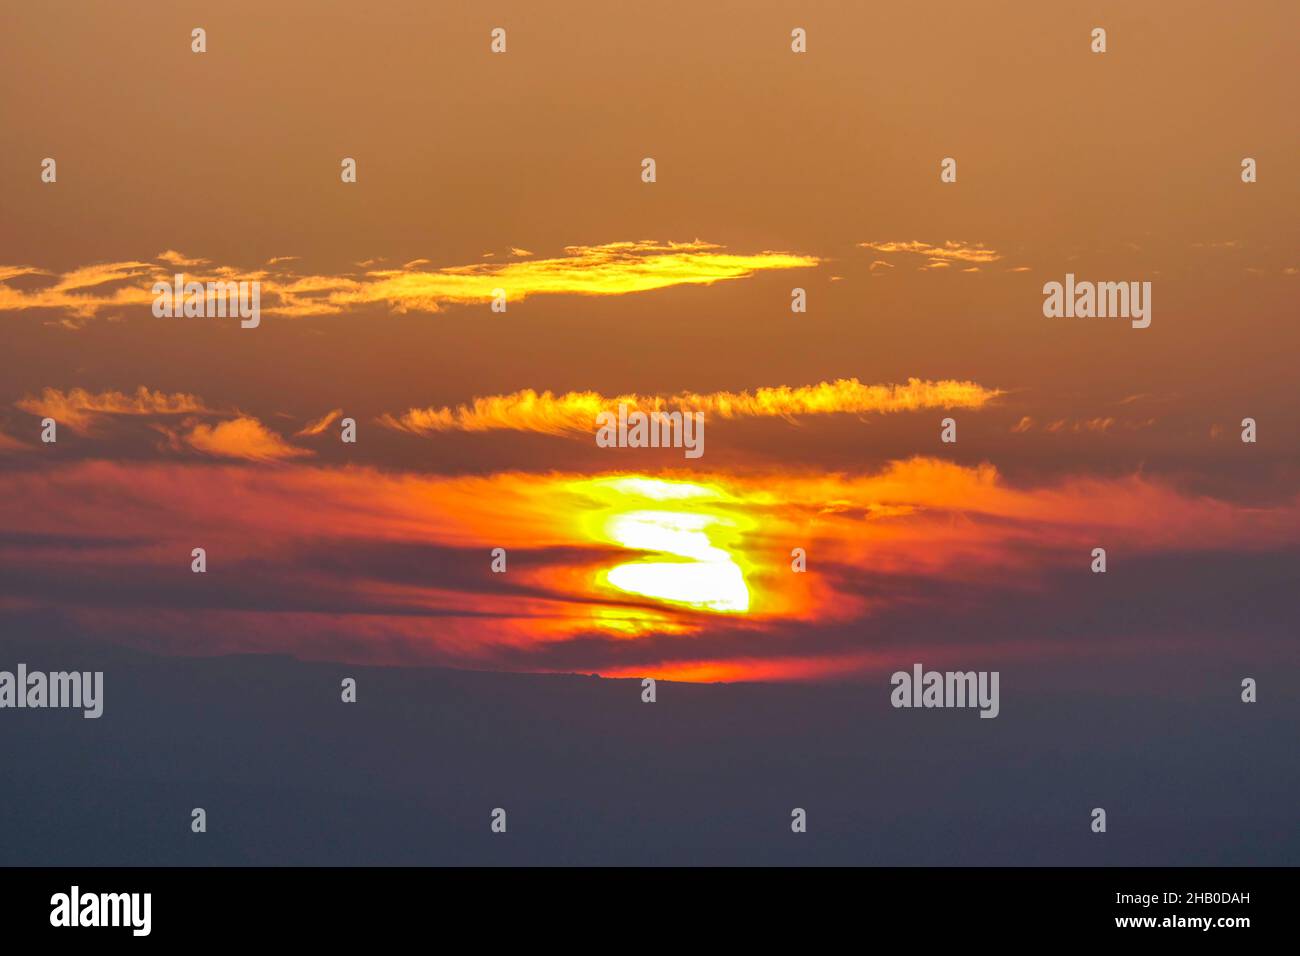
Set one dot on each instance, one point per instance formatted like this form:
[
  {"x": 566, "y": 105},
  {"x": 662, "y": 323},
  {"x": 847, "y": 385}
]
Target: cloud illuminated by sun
[
  {"x": 552, "y": 414},
  {"x": 672, "y": 573},
  {"x": 612, "y": 268}
]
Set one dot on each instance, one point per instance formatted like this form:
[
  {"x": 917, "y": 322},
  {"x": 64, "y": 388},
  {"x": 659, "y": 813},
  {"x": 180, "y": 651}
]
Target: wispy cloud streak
[{"x": 553, "y": 414}]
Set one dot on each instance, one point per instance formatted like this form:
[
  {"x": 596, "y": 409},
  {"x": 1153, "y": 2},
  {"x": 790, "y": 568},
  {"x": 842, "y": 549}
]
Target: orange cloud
[
  {"x": 552, "y": 414},
  {"x": 343, "y": 541},
  {"x": 1102, "y": 425},
  {"x": 1099, "y": 425},
  {"x": 320, "y": 424},
  {"x": 80, "y": 409},
  {"x": 80, "y": 291},
  {"x": 243, "y": 437}
]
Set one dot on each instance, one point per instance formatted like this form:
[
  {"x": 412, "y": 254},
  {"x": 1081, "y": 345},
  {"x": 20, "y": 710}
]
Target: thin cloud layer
[
  {"x": 1097, "y": 425},
  {"x": 80, "y": 409},
  {"x": 319, "y": 425},
  {"x": 241, "y": 437},
  {"x": 10, "y": 445},
  {"x": 552, "y": 414},
  {"x": 937, "y": 256},
  {"x": 616, "y": 268}
]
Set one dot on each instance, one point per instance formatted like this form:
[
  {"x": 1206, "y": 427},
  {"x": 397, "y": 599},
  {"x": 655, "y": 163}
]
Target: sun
[
  {"x": 690, "y": 539},
  {"x": 697, "y": 573}
]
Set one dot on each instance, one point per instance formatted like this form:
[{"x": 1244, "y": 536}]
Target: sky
[{"x": 522, "y": 171}]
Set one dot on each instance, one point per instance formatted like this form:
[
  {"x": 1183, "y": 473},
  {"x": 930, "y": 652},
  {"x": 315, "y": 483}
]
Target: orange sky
[{"x": 522, "y": 172}]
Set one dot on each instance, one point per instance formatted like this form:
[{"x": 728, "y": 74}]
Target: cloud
[
  {"x": 81, "y": 410},
  {"x": 1081, "y": 425},
  {"x": 243, "y": 437},
  {"x": 1098, "y": 425},
  {"x": 16, "y": 272},
  {"x": 174, "y": 258},
  {"x": 902, "y": 553},
  {"x": 72, "y": 291},
  {"x": 938, "y": 255},
  {"x": 319, "y": 425},
  {"x": 552, "y": 414},
  {"x": 616, "y": 268},
  {"x": 9, "y": 445}
]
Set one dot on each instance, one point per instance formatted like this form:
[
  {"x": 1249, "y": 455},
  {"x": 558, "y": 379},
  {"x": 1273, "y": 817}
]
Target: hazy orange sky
[{"x": 522, "y": 171}]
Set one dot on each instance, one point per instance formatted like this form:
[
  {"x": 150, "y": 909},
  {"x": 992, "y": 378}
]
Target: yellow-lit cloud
[
  {"x": 174, "y": 258},
  {"x": 82, "y": 291},
  {"x": 552, "y": 414},
  {"x": 938, "y": 256},
  {"x": 616, "y": 268}
]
